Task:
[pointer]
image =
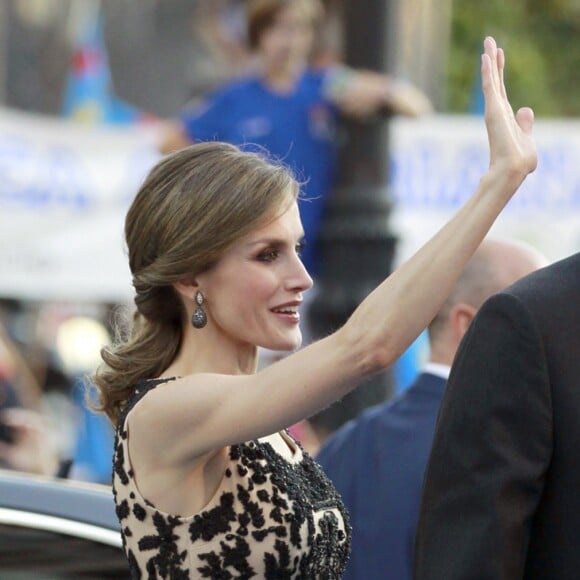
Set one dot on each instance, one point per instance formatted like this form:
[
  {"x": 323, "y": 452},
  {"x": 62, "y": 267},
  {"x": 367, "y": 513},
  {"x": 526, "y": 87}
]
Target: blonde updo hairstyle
[{"x": 192, "y": 207}]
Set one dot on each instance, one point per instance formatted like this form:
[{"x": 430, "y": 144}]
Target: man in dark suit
[
  {"x": 377, "y": 462},
  {"x": 502, "y": 490}
]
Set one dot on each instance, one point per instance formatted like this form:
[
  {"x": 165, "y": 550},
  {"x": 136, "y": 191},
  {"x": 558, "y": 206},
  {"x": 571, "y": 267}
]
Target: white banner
[
  {"x": 65, "y": 189},
  {"x": 437, "y": 164},
  {"x": 64, "y": 192}
]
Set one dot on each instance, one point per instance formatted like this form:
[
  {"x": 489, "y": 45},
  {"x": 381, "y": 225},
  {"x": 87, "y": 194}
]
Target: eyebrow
[{"x": 273, "y": 241}]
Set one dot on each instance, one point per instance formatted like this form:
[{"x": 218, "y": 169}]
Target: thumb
[{"x": 525, "y": 119}]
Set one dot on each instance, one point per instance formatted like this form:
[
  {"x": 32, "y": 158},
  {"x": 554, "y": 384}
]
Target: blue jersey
[{"x": 297, "y": 128}]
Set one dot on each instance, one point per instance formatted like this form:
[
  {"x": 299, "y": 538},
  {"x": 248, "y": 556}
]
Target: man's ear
[
  {"x": 186, "y": 288},
  {"x": 461, "y": 316}
]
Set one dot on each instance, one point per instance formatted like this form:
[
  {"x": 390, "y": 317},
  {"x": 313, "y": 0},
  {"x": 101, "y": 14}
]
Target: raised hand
[{"x": 511, "y": 145}]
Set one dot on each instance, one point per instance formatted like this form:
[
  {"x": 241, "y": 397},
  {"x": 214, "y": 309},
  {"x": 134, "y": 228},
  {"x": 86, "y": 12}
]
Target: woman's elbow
[{"x": 373, "y": 354}]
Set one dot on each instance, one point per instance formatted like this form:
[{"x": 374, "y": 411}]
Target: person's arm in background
[
  {"x": 356, "y": 93},
  {"x": 491, "y": 450},
  {"x": 361, "y": 93},
  {"x": 28, "y": 445},
  {"x": 21, "y": 376}
]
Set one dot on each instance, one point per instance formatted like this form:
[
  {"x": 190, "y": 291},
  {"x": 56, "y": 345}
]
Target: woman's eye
[
  {"x": 300, "y": 247},
  {"x": 268, "y": 255}
]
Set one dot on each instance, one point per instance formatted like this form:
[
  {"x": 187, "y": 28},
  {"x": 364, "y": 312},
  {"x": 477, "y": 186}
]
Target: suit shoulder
[
  {"x": 553, "y": 289},
  {"x": 550, "y": 281},
  {"x": 348, "y": 438},
  {"x": 387, "y": 419}
]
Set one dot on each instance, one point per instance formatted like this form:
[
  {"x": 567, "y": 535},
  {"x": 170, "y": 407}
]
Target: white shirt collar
[{"x": 437, "y": 369}]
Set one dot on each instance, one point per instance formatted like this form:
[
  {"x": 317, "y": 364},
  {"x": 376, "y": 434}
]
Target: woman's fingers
[
  {"x": 492, "y": 71},
  {"x": 501, "y": 68},
  {"x": 490, "y": 49},
  {"x": 510, "y": 136},
  {"x": 525, "y": 119}
]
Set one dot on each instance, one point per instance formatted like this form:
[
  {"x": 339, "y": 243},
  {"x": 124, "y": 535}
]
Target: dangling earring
[{"x": 199, "y": 318}]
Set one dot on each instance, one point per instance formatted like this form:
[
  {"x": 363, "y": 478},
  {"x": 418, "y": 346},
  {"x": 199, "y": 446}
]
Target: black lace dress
[{"x": 270, "y": 518}]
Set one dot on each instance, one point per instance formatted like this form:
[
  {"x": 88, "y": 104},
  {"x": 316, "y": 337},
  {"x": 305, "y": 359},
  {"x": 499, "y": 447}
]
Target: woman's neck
[{"x": 204, "y": 352}]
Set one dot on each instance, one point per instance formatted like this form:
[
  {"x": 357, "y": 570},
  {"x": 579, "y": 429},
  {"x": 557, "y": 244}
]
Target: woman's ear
[{"x": 186, "y": 288}]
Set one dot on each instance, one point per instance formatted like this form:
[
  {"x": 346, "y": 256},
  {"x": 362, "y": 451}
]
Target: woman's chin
[{"x": 286, "y": 344}]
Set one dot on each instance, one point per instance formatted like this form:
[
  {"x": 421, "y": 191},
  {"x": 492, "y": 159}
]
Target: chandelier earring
[{"x": 199, "y": 318}]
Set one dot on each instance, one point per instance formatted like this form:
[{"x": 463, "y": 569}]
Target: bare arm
[
  {"x": 24, "y": 380},
  {"x": 203, "y": 412},
  {"x": 32, "y": 447},
  {"x": 360, "y": 93}
]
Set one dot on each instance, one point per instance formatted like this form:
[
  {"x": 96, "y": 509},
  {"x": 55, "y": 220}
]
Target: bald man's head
[{"x": 496, "y": 264}]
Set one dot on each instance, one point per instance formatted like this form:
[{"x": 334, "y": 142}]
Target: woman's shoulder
[{"x": 142, "y": 388}]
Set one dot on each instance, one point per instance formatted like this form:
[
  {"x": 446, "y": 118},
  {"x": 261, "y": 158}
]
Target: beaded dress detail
[{"x": 270, "y": 518}]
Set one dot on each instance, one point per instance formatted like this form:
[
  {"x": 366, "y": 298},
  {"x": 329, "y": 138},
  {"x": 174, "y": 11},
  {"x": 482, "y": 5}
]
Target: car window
[{"x": 27, "y": 553}]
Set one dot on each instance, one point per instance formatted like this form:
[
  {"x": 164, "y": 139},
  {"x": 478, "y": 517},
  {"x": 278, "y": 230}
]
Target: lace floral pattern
[{"x": 271, "y": 518}]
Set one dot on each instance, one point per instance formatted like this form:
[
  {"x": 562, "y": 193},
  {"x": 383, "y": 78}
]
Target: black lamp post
[{"x": 356, "y": 246}]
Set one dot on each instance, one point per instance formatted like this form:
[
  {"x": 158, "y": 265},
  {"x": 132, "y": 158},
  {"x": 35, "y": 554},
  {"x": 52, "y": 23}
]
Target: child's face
[{"x": 288, "y": 41}]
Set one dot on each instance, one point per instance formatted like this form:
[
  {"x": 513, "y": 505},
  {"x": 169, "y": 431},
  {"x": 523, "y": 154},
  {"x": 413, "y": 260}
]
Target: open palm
[{"x": 512, "y": 147}]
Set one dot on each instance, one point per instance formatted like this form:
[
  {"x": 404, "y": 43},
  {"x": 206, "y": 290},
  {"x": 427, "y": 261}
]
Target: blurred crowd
[{"x": 48, "y": 350}]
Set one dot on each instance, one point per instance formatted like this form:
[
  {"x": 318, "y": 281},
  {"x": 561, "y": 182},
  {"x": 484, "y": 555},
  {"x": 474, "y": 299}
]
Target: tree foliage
[{"x": 541, "y": 40}]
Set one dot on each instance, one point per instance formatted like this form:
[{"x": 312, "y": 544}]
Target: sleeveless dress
[{"x": 270, "y": 518}]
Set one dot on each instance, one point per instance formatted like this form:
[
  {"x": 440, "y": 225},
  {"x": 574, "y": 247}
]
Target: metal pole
[{"x": 356, "y": 244}]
